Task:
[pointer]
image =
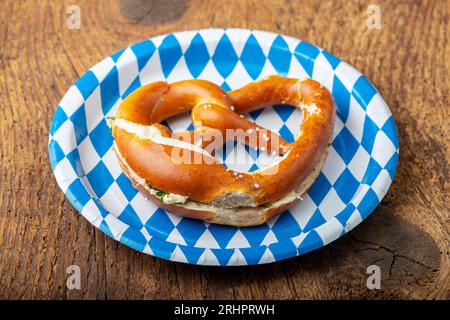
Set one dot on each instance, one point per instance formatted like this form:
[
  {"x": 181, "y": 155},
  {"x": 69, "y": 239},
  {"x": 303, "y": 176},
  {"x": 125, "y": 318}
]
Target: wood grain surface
[{"x": 41, "y": 234}]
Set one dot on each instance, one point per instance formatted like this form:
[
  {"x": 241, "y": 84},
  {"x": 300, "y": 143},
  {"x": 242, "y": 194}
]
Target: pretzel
[{"x": 208, "y": 190}]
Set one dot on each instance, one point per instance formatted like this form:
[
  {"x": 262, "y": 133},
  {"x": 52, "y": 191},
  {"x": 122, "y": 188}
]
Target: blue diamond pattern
[
  {"x": 225, "y": 86},
  {"x": 345, "y": 214},
  {"x": 342, "y": 97},
  {"x": 372, "y": 171},
  {"x": 162, "y": 249},
  {"x": 130, "y": 217},
  {"x": 306, "y": 55},
  {"x": 87, "y": 83},
  {"x": 346, "y": 185},
  {"x": 191, "y": 230},
  {"x": 283, "y": 250},
  {"x": 102, "y": 210},
  {"x": 101, "y": 138},
  {"x": 254, "y": 154},
  {"x": 77, "y": 193},
  {"x": 56, "y": 153},
  {"x": 109, "y": 90},
  {"x": 369, "y": 134},
  {"x": 312, "y": 241},
  {"x": 286, "y": 226},
  {"x": 117, "y": 55},
  {"x": 253, "y": 57},
  {"x": 223, "y": 256},
  {"x": 100, "y": 179},
  {"x": 79, "y": 119},
  {"x": 134, "y": 239},
  {"x": 161, "y": 222},
  {"x": 392, "y": 165},
  {"x": 192, "y": 254},
  {"x": 334, "y": 61},
  {"x": 126, "y": 187},
  {"x": 363, "y": 91},
  {"x": 255, "y": 114},
  {"x": 105, "y": 228},
  {"x": 280, "y": 56},
  {"x": 254, "y": 167},
  {"x": 255, "y": 235},
  {"x": 284, "y": 111},
  {"x": 369, "y": 201},
  {"x": 74, "y": 159},
  {"x": 59, "y": 118},
  {"x": 286, "y": 134},
  {"x": 391, "y": 131},
  {"x": 70, "y": 127},
  {"x": 319, "y": 189},
  {"x": 316, "y": 220},
  {"x": 143, "y": 52},
  {"x": 133, "y": 86},
  {"x": 253, "y": 255},
  {"x": 222, "y": 234}
]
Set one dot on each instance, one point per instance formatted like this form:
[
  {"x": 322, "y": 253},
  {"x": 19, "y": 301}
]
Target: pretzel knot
[{"x": 178, "y": 171}]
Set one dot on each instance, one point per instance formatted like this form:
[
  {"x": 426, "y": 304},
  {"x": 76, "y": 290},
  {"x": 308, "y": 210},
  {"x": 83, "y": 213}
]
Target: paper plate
[{"x": 357, "y": 173}]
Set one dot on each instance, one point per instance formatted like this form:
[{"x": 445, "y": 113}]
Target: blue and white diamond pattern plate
[{"x": 357, "y": 173}]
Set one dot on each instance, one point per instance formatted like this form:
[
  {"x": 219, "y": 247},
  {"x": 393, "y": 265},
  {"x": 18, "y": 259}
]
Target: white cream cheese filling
[{"x": 152, "y": 133}]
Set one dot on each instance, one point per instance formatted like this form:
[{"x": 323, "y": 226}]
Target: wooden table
[{"x": 41, "y": 234}]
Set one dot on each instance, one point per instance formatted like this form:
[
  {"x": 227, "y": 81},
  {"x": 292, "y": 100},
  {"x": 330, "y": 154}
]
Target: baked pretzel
[{"x": 207, "y": 190}]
